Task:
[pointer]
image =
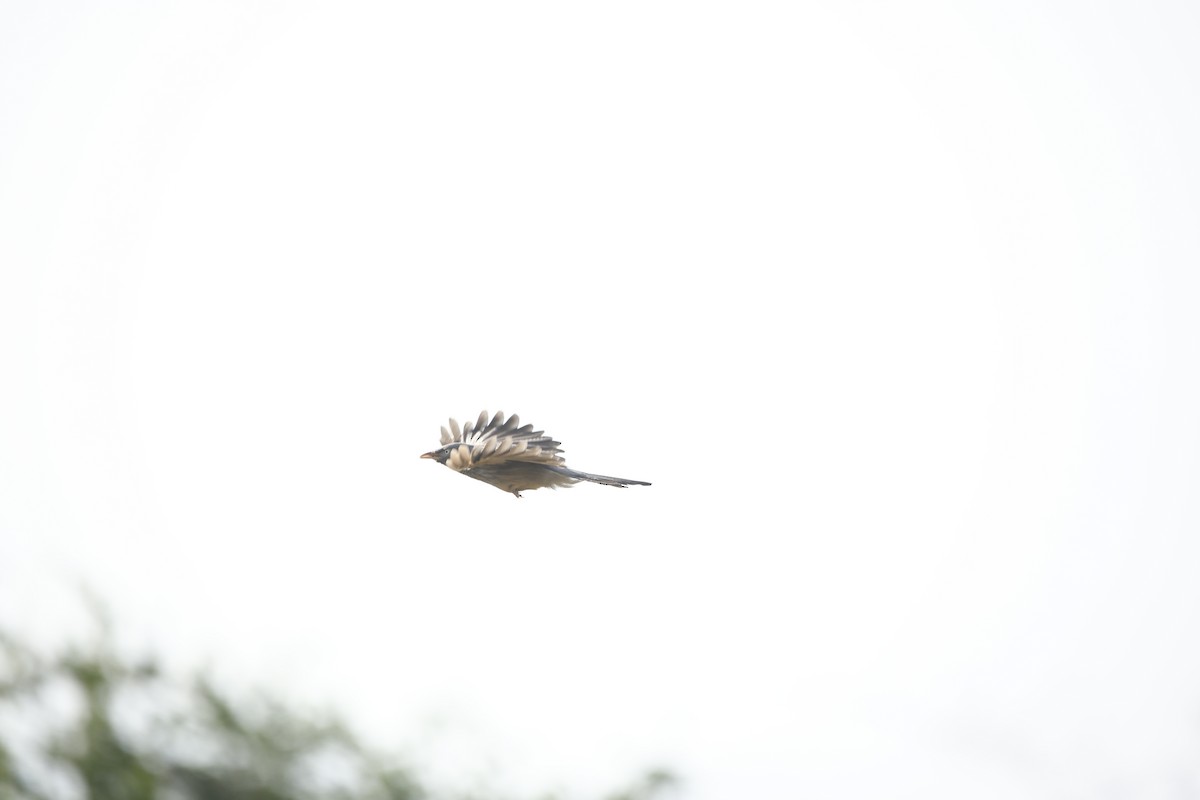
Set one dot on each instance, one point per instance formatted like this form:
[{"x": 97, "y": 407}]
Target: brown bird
[{"x": 510, "y": 457}]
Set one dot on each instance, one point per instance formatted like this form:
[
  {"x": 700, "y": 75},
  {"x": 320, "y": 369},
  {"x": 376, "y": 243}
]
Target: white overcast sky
[{"x": 895, "y": 304}]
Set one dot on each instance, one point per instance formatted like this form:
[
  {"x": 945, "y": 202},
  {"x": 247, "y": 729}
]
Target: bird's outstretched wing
[{"x": 499, "y": 441}]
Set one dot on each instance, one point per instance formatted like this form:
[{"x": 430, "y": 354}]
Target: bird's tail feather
[{"x": 604, "y": 479}]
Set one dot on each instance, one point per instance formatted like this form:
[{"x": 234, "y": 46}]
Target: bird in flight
[{"x": 510, "y": 456}]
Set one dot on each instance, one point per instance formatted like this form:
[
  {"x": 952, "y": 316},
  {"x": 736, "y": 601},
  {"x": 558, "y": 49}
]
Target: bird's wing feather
[{"x": 498, "y": 441}]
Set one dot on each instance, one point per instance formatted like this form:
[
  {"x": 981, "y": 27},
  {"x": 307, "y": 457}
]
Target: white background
[{"x": 895, "y": 304}]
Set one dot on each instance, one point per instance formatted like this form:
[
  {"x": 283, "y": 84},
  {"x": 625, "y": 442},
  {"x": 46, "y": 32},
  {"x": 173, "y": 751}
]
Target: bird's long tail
[{"x": 604, "y": 479}]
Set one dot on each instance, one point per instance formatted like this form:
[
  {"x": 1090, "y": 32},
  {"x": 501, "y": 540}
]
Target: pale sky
[{"x": 895, "y": 305}]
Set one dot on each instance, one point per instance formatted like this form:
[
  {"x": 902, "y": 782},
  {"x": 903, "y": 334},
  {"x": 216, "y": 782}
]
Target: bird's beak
[{"x": 429, "y": 455}]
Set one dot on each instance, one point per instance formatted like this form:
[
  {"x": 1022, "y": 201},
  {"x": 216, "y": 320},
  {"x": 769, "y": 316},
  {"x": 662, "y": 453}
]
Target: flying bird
[{"x": 511, "y": 457}]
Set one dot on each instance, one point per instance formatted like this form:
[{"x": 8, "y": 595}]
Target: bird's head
[
  {"x": 456, "y": 456},
  {"x": 441, "y": 456}
]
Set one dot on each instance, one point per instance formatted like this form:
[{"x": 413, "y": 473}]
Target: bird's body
[{"x": 511, "y": 457}]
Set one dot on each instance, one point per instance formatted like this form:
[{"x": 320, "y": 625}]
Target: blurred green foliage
[{"x": 89, "y": 723}]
